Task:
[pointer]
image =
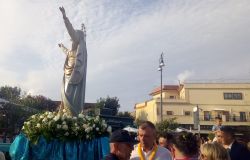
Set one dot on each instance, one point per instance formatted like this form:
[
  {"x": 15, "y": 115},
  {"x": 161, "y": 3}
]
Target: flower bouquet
[{"x": 52, "y": 125}]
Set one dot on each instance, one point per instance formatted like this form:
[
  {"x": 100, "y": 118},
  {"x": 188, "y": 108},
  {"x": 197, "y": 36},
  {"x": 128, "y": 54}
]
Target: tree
[
  {"x": 39, "y": 102},
  {"x": 125, "y": 114},
  {"x": 11, "y": 94},
  {"x": 166, "y": 125},
  {"x": 111, "y": 103}
]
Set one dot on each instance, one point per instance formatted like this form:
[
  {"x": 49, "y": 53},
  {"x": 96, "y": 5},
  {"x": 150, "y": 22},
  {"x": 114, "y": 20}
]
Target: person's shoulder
[
  {"x": 164, "y": 151},
  {"x": 134, "y": 153},
  {"x": 110, "y": 157}
]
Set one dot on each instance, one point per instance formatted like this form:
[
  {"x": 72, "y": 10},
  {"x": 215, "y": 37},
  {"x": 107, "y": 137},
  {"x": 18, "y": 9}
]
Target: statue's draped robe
[{"x": 75, "y": 69}]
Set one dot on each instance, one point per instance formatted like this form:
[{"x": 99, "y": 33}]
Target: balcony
[{"x": 228, "y": 118}]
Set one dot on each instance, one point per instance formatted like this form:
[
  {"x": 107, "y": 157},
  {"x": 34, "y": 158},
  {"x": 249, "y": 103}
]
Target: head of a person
[
  {"x": 227, "y": 135},
  {"x": 248, "y": 145},
  {"x": 162, "y": 140},
  {"x": 147, "y": 134},
  {"x": 218, "y": 135},
  {"x": 165, "y": 140},
  {"x": 186, "y": 143},
  {"x": 218, "y": 121},
  {"x": 213, "y": 151},
  {"x": 121, "y": 144}
]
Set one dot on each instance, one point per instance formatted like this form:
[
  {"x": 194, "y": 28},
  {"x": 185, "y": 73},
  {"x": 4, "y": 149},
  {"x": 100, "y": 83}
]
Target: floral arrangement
[{"x": 52, "y": 125}]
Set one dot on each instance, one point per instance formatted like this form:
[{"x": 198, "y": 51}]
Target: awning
[
  {"x": 218, "y": 109},
  {"x": 131, "y": 129}
]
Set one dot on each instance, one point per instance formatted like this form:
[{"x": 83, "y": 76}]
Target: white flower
[
  {"x": 103, "y": 122},
  {"x": 41, "y": 116},
  {"x": 65, "y": 127},
  {"x": 76, "y": 124},
  {"x": 64, "y": 111},
  {"x": 87, "y": 130},
  {"x": 38, "y": 125},
  {"x": 69, "y": 116},
  {"x": 74, "y": 118},
  {"x": 97, "y": 119},
  {"x": 104, "y": 125},
  {"x": 80, "y": 115},
  {"x": 97, "y": 129},
  {"x": 58, "y": 126},
  {"x": 56, "y": 118},
  {"x": 109, "y": 129},
  {"x": 50, "y": 116},
  {"x": 63, "y": 117},
  {"x": 50, "y": 124},
  {"x": 93, "y": 125},
  {"x": 33, "y": 116},
  {"x": 23, "y": 128},
  {"x": 66, "y": 134},
  {"x": 85, "y": 126},
  {"x": 45, "y": 120},
  {"x": 87, "y": 136},
  {"x": 64, "y": 122},
  {"x": 28, "y": 123}
]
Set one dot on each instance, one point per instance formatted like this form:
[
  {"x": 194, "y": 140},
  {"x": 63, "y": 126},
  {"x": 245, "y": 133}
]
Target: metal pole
[{"x": 161, "y": 97}]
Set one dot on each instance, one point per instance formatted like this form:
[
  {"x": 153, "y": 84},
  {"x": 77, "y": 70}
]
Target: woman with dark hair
[{"x": 185, "y": 146}]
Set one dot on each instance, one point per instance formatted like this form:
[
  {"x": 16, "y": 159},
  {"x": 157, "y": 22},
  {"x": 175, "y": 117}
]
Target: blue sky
[{"x": 201, "y": 40}]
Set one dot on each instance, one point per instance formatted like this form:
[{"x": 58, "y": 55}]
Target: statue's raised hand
[{"x": 63, "y": 11}]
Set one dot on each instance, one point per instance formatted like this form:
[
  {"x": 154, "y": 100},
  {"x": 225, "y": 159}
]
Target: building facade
[{"x": 230, "y": 101}]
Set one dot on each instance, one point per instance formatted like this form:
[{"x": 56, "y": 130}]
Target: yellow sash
[{"x": 152, "y": 154}]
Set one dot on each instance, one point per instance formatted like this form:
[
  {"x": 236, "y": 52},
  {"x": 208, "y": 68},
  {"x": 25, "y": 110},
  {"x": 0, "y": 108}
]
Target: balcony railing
[{"x": 227, "y": 118}]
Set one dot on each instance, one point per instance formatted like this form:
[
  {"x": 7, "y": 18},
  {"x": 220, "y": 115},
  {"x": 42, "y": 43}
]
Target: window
[
  {"x": 233, "y": 96},
  {"x": 187, "y": 113},
  {"x": 171, "y": 97},
  {"x": 169, "y": 113},
  {"x": 207, "y": 115}
]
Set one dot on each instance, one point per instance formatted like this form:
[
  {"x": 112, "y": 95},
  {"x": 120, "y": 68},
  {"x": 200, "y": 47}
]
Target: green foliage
[
  {"x": 39, "y": 102},
  {"x": 12, "y": 117},
  {"x": 109, "y": 102},
  {"x": 125, "y": 114},
  {"x": 211, "y": 136},
  {"x": 11, "y": 94},
  {"x": 166, "y": 125}
]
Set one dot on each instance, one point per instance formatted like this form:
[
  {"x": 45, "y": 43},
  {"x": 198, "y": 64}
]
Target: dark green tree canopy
[
  {"x": 125, "y": 114},
  {"x": 111, "y": 103},
  {"x": 166, "y": 125},
  {"x": 39, "y": 102},
  {"x": 9, "y": 93}
]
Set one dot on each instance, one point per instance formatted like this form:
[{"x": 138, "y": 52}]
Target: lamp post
[
  {"x": 196, "y": 111},
  {"x": 161, "y": 64}
]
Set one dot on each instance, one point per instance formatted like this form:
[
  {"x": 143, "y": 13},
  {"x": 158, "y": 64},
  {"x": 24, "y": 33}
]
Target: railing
[
  {"x": 4, "y": 147},
  {"x": 227, "y": 118}
]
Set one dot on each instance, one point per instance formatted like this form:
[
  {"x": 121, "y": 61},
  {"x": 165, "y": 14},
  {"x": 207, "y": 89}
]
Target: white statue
[{"x": 75, "y": 69}]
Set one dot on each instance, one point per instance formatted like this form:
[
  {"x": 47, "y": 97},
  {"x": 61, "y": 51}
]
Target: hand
[
  {"x": 60, "y": 45},
  {"x": 63, "y": 11}
]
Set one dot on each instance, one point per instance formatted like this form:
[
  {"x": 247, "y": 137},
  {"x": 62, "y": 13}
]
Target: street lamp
[
  {"x": 196, "y": 111},
  {"x": 161, "y": 65}
]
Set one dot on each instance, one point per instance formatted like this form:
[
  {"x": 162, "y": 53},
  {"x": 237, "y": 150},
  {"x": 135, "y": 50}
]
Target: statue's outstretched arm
[
  {"x": 69, "y": 26},
  {"x": 64, "y": 49}
]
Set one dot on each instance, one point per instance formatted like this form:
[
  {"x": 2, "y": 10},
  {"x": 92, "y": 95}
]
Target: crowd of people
[{"x": 175, "y": 146}]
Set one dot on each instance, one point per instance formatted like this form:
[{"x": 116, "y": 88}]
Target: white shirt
[{"x": 161, "y": 154}]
